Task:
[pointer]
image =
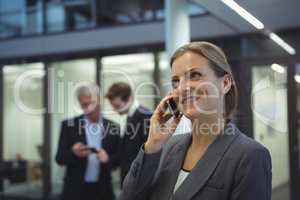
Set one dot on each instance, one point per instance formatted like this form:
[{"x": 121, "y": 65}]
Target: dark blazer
[
  {"x": 234, "y": 167},
  {"x": 135, "y": 135},
  {"x": 73, "y": 131}
]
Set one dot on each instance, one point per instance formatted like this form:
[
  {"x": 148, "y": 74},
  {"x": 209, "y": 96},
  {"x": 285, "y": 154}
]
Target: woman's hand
[{"x": 160, "y": 127}]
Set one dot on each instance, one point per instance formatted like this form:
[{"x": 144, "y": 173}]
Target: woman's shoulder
[{"x": 246, "y": 146}]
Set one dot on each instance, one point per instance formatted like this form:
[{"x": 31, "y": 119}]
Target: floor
[{"x": 281, "y": 193}]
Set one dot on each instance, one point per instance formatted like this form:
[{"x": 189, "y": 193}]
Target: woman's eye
[{"x": 195, "y": 75}]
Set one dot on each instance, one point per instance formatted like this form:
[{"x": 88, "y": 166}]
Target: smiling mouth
[{"x": 190, "y": 99}]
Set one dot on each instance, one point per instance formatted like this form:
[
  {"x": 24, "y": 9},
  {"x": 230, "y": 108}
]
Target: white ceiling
[{"x": 275, "y": 14}]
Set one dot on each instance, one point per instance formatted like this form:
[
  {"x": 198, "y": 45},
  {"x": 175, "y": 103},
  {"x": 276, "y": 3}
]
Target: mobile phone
[
  {"x": 93, "y": 149},
  {"x": 172, "y": 106}
]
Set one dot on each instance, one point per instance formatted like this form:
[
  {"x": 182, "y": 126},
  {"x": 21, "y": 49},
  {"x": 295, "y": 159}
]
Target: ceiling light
[
  {"x": 278, "y": 68},
  {"x": 244, "y": 13},
  {"x": 297, "y": 78},
  {"x": 282, "y": 43}
]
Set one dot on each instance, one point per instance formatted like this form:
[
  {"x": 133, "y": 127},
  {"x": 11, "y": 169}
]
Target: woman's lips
[{"x": 189, "y": 99}]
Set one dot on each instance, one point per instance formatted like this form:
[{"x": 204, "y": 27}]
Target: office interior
[{"x": 50, "y": 47}]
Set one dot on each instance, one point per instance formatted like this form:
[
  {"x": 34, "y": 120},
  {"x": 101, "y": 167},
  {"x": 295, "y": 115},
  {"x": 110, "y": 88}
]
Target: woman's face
[{"x": 198, "y": 91}]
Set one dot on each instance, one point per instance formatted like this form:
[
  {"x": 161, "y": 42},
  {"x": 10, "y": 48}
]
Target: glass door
[
  {"x": 22, "y": 171},
  {"x": 276, "y": 123},
  {"x": 270, "y": 122}
]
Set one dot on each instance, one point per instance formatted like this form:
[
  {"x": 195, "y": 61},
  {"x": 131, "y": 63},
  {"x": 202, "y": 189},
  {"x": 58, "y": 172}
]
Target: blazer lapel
[
  {"x": 167, "y": 176},
  {"x": 206, "y": 165},
  {"x": 105, "y": 131}
]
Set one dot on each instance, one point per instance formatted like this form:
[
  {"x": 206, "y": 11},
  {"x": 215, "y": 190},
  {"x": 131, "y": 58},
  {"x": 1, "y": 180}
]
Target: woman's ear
[{"x": 227, "y": 83}]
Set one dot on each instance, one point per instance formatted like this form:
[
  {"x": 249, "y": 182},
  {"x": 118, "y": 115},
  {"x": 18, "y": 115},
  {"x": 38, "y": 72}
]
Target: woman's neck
[{"x": 204, "y": 132}]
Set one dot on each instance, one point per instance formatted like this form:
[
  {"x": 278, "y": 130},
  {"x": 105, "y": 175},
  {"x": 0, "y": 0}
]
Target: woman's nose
[{"x": 184, "y": 86}]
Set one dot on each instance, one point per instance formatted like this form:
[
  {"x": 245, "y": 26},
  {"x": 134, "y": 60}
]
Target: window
[{"x": 23, "y": 129}]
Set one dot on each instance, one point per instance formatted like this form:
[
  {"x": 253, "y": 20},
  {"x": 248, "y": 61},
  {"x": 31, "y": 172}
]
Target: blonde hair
[{"x": 219, "y": 64}]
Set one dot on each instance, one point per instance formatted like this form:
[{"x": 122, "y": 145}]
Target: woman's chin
[{"x": 191, "y": 114}]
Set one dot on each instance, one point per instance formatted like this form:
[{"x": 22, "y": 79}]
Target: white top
[
  {"x": 93, "y": 138},
  {"x": 181, "y": 177},
  {"x": 133, "y": 108},
  {"x": 130, "y": 113}
]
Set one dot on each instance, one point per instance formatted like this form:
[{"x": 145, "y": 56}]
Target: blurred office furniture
[{"x": 13, "y": 171}]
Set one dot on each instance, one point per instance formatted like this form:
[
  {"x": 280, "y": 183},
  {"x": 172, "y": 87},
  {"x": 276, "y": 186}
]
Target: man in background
[
  {"x": 88, "y": 147},
  {"x": 134, "y": 132}
]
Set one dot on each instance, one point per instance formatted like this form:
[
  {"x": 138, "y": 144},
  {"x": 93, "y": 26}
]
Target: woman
[{"x": 216, "y": 161}]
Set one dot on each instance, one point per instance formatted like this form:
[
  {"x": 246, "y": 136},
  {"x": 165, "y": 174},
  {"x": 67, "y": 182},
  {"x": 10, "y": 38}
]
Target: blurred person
[
  {"x": 88, "y": 147},
  {"x": 216, "y": 161},
  {"x": 134, "y": 132}
]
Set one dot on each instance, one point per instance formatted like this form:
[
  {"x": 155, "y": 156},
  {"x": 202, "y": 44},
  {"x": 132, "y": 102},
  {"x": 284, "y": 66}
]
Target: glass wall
[
  {"x": 30, "y": 17},
  {"x": 20, "y": 17},
  {"x": 269, "y": 105},
  {"x": 23, "y": 129},
  {"x": 69, "y": 15},
  {"x": 65, "y": 78}
]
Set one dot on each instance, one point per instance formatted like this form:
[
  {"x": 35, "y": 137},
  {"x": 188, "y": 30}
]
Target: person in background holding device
[
  {"x": 216, "y": 161},
  {"x": 135, "y": 132},
  {"x": 88, "y": 147}
]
